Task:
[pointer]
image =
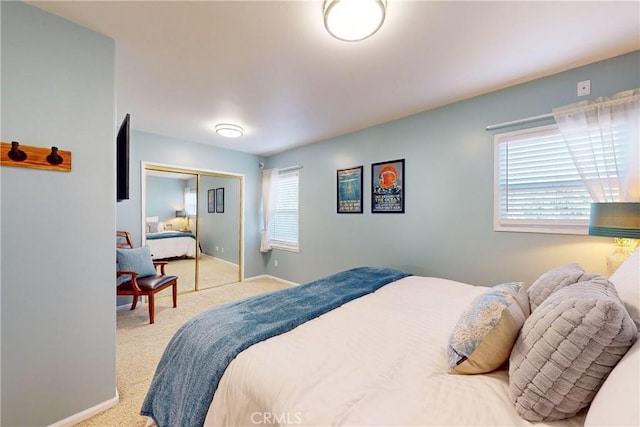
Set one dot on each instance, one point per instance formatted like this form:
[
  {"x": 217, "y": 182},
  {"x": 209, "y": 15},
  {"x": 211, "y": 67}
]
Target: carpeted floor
[
  {"x": 212, "y": 272},
  {"x": 140, "y": 345}
]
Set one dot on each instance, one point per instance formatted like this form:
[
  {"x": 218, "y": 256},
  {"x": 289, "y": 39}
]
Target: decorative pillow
[
  {"x": 153, "y": 227},
  {"x": 566, "y": 349},
  {"x": 616, "y": 403},
  {"x": 484, "y": 335},
  {"x": 554, "y": 279},
  {"x": 137, "y": 259},
  {"x": 627, "y": 282},
  {"x": 123, "y": 278}
]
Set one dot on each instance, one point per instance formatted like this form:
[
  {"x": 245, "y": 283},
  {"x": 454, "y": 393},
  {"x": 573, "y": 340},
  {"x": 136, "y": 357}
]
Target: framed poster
[
  {"x": 220, "y": 200},
  {"x": 211, "y": 200},
  {"x": 387, "y": 187},
  {"x": 349, "y": 191}
]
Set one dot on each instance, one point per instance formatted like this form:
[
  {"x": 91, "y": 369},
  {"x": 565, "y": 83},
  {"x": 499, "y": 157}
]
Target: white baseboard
[
  {"x": 268, "y": 276},
  {"x": 88, "y": 413},
  {"x": 232, "y": 264}
]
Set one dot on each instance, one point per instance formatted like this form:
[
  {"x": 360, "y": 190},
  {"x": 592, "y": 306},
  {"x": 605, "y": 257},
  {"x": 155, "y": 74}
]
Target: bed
[
  {"x": 382, "y": 355},
  {"x": 165, "y": 243},
  {"x": 171, "y": 244}
]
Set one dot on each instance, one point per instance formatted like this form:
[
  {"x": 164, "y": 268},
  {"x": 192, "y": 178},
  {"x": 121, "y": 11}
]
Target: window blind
[
  {"x": 190, "y": 201},
  {"x": 284, "y": 226},
  {"x": 538, "y": 187}
]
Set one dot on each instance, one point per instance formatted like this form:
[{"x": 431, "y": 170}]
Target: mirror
[
  {"x": 218, "y": 226},
  {"x": 184, "y": 226}
]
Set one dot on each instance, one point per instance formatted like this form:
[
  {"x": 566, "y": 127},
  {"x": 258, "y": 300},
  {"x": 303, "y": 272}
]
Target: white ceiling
[{"x": 270, "y": 66}]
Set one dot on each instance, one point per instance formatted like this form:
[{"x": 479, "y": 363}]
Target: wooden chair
[
  {"x": 145, "y": 286},
  {"x": 123, "y": 240}
]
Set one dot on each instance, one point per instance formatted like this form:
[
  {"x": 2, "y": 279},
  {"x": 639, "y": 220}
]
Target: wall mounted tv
[{"x": 122, "y": 161}]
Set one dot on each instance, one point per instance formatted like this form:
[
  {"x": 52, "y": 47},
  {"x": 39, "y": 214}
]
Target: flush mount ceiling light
[
  {"x": 228, "y": 130},
  {"x": 353, "y": 20}
]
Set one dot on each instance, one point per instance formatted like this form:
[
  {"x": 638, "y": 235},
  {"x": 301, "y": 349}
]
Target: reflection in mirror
[
  {"x": 218, "y": 231},
  {"x": 198, "y": 238},
  {"x": 170, "y": 209}
]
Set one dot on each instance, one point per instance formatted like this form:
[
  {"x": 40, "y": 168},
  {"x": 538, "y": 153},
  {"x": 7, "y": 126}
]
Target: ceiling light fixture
[
  {"x": 353, "y": 20},
  {"x": 228, "y": 130}
]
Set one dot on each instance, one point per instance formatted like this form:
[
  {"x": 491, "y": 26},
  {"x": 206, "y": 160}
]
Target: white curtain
[
  {"x": 269, "y": 201},
  {"x": 604, "y": 141}
]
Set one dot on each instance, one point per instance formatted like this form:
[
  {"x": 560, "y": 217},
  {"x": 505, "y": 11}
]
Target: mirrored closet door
[
  {"x": 192, "y": 219},
  {"x": 218, "y": 227}
]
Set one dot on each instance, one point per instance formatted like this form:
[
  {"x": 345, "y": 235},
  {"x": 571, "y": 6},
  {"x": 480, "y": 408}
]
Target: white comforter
[
  {"x": 378, "y": 360},
  {"x": 172, "y": 247}
]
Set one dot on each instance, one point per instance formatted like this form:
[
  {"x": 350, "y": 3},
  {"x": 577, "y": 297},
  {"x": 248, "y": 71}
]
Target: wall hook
[
  {"x": 16, "y": 154},
  {"x": 54, "y": 158}
]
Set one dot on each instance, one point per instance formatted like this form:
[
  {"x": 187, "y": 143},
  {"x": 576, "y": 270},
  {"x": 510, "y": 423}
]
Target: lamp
[
  {"x": 620, "y": 221},
  {"x": 183, "y": 214},
  {"x": 228, "y": 130},
  {"x": 353, "y": 20}
]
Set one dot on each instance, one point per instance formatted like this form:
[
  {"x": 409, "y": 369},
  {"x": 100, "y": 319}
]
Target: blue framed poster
[
  {"x": 220, "y": 200},
  {"x": 387, "y": 187},
  {"x": 349, "y": 190}
]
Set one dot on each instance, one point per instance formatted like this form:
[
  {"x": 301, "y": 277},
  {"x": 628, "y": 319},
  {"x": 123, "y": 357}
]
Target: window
[
  {"x": 537, "y": 186},
  {"x": 284, "y": 226},
  {"x": 190, "y": 201}
]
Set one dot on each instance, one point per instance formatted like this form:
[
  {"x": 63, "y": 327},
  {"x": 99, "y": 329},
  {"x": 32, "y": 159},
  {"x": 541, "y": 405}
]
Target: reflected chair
[
  {"x": 137, "y": 274},
  {"x": 123, "y": 240}
]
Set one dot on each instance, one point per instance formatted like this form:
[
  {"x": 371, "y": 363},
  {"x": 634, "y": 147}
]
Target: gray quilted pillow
[
  {"x": 555, "y": 279},
  {"x": 566, "y": 349}
]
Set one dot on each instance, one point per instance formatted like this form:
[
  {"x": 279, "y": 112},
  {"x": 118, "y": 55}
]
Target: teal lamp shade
[
  {"x": 615, "y": 220},
  {"x": 181, "y": 214}
]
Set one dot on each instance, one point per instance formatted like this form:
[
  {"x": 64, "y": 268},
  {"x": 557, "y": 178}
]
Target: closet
[{"x": 192, "y": 218}]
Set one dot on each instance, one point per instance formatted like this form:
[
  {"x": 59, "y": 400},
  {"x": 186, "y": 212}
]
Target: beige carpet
[
  {"x": 140, "y": 345},
  {"x": 212, "y": 271}
]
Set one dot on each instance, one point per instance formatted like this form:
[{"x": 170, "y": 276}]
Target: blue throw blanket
[
  {"x": 169, "y": 234},
  {"x": 198, "y": 354}
]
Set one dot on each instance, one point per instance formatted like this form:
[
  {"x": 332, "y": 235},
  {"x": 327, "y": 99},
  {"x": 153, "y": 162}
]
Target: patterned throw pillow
[
  {"x": 566, "y": 349},
  {"x": 486, "y": 331}
]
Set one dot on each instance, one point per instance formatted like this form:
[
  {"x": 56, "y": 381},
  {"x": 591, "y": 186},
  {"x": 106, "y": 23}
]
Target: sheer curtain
[
  {"x": 269, "y": 201},
  {"x": 604, "y": 142}
]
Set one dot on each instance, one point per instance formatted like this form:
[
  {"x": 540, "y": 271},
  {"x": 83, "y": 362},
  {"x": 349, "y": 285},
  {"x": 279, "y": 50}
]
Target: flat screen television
[{"x": 122, "y": 161}]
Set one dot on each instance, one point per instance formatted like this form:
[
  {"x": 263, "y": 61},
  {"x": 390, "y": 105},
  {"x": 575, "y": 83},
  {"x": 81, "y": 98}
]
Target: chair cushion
[
  {"x": 137, "y": 259},
  {"x": 150, "y": 283}
]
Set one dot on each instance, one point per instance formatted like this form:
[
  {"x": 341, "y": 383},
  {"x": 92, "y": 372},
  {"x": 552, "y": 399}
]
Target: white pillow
[
  {"x": 627, "y": 281},
  {"x": 616, "y": 403}
]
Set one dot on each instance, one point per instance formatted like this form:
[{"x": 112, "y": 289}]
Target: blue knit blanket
[
  {"x": 169, "y": 234},
  {"x": 198, "y": 354}
]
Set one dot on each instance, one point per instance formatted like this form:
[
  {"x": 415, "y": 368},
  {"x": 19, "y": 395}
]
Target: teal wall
[
  {"x": 57, "y": 255},
  {"x": 164, "y": 197},
  {"x": 219, "y": 230},
  {"x": 447, "y": 230}
]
